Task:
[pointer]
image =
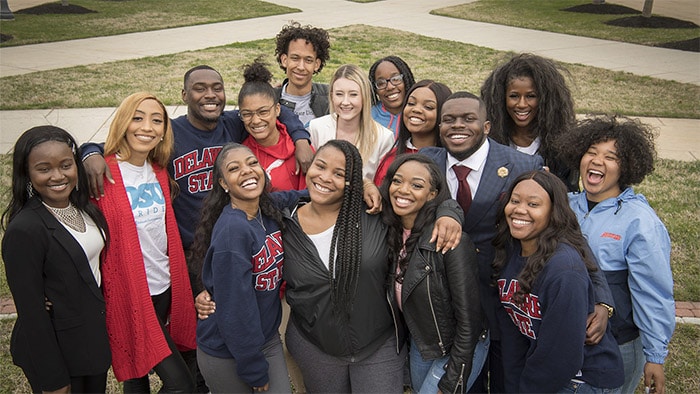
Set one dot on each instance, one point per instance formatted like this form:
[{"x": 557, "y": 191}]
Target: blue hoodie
[{"x": 634, "y": 250}]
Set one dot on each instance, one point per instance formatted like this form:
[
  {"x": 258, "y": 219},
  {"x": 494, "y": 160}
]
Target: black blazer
[{"x": 42, "y": 259}]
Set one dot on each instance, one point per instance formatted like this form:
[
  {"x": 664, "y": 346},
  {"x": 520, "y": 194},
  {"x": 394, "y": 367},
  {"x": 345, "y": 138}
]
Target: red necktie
[{"x": 464, "y": 193}]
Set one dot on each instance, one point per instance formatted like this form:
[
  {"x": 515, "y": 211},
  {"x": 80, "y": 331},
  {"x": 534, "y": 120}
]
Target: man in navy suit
[
  {"x": 492, "y": 167},
  {"x": 464, "y": 135}
]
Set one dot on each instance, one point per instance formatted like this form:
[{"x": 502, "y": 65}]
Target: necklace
[
  {"x": 70, "y": 216},
  {"x": 258, "y": 217}
]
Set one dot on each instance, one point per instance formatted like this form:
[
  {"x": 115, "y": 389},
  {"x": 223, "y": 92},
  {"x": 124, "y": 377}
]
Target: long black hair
[
  {"x": 562, "y": 228},
  {"x": 441, "y": 92},
  {"x": 212, "y": 207},
  {"x": 22, "y": 189},
  {"x": 555, "y": 109},
  {"x": 425, "y": 217},
  {"x": 346, "y": 245}
]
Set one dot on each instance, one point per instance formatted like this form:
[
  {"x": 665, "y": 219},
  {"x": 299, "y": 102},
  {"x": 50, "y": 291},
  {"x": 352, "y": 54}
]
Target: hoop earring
[{"x": 30, "y": 189}]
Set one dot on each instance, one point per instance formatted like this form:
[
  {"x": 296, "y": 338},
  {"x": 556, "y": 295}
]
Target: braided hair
[
  {"x": 408, "y": 79},
  {"x": 346, "y": 245}
]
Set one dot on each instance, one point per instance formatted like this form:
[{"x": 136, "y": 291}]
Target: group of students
[{"x": 481, "y": 273}]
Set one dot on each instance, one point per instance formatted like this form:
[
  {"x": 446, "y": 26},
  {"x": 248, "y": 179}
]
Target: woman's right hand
[{"x": 204, "y": 305}]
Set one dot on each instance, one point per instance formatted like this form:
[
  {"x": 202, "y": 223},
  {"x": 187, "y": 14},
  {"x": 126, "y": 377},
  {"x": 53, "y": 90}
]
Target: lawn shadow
[
  {"x": 55, "y": 8},
  {"x": 639, "y": 21}
]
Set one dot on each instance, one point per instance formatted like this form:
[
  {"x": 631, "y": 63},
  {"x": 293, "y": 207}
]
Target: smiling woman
[
  {"x": 146, "y": 283},
  {"x": 351, "y": 119},
  {"x": 267, "y": 136}
]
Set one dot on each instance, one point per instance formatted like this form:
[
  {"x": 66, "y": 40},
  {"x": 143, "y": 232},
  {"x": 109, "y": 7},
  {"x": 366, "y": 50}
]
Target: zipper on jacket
[
  {"x": 460, "y": 381},
  {"x": 396, "y": 328},
  {"x": 432, "y": 311}
]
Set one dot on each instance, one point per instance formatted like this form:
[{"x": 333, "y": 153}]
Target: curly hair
[
  {"x": 408, "y": 79},
  {"x": 21, "y": 182},
  {"x": 562, "y": 228},
  {"x": 315, "y": 36},
  {"x": 426, "y": 216},
  {"x": 555, "y": 109},
  {"x": 257, "y": 81},
  {"x": 634, "y": 142},
  {"x": 441, "y": 92},
  {"x": 212, "y": 207},
  {"x": 346, "y": 245}
]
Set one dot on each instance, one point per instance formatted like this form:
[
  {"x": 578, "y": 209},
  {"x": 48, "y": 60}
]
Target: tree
[{"x": 646, "y": 11}]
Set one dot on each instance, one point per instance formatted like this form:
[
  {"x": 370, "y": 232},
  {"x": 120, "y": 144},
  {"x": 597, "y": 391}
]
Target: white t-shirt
[
  {"x": 148, "y": 207},
  {"x": 322, "y": 241},
  {"x": 92, "y": 243},
  {"x": 531, "y": 149}
]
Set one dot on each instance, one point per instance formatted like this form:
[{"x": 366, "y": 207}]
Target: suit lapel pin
[{"x": 503, "y": 172}]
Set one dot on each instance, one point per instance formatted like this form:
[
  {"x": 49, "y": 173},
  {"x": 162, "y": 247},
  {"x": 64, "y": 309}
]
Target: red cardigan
[{"x": 137, "y": 342}]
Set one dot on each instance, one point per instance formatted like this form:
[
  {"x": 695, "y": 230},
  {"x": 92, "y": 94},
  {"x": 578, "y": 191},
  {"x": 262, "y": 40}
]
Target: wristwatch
[{"x": 608, "y": 307}]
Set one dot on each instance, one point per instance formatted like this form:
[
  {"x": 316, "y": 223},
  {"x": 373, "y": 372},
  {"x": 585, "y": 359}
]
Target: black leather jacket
[{"x": 441, "y": 307}]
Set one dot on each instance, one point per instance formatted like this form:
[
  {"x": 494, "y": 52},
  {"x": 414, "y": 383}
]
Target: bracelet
[
  {"x": 90, "y": 154},
  {"x": 610, "y": 309}
]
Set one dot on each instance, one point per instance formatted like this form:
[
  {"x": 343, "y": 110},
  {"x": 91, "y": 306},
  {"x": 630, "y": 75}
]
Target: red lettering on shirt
[{"x": 611, "y": 235}]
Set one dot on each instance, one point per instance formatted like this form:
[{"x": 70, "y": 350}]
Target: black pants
[
  {"x": 78, "y": 384},
  {"x": 173, "y": 370}
]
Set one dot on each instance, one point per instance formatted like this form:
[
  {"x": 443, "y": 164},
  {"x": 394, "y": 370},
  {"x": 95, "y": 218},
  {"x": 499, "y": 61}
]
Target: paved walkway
[{"x": 679, "y": 138}]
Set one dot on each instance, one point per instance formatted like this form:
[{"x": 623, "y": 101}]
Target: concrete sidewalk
[
  {"x": 407, "y": 15},
  {"x": 678, "y": 139}
]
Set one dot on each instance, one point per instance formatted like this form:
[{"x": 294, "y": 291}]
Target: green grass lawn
[
  {"x": 673, "y": 190},
  {"x": 548, "y": 15},
  {"x": 460, "y": 66},
  {"x": 117, "y": 17}
]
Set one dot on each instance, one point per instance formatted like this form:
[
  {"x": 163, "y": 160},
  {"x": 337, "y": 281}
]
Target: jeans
[
  {"x": 633, "y": 360},
  {"x": 425, "y": 375},
  {"x": 585, "y": 388}
]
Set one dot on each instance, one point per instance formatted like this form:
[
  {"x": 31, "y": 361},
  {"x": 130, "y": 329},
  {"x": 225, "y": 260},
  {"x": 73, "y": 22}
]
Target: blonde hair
[
  {"x": 369, "y": 129},
  {"x": 116, "y": 139}
]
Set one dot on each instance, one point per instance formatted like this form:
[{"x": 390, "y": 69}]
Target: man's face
[
  {"x": 301, "y": 64},
  {"x": 205, "y": 97},
  {"x": 463, "y": 128}
]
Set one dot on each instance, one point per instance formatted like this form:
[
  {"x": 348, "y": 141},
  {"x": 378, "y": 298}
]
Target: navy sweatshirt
[
  {"x": 543, "y": 339},
  {"x": 242, "y": 271}
]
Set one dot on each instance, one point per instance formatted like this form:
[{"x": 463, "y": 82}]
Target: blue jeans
[
  {"x": 425, "y": 375},
  {"x": 633, "y": 360},
  {"x": 585, "y": 388}
]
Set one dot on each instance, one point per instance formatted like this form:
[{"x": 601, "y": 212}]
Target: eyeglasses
[
  {"x": 396, "y": 80},
  {"x": 248, "y": 115}
]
